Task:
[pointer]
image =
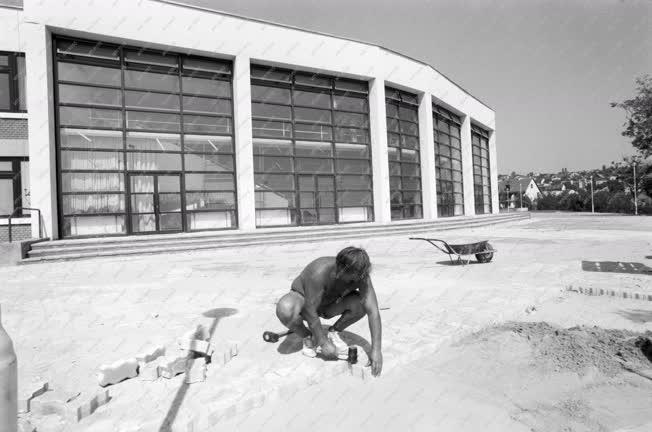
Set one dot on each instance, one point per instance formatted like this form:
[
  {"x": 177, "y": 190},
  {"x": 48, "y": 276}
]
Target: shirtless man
[{"x": 327, "y": 287}]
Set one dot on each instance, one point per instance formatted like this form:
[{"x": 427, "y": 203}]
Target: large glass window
[
  {"x": 11, "y": 186},
  {"x": 404, "y": 156},
  {"x": 12, "y": 82},
  {"x": 312, "y": 158},
  {"x": 481, "y": 174},
  {"x": 448, "y": 162},
  {"x": 130, "y": 117}
]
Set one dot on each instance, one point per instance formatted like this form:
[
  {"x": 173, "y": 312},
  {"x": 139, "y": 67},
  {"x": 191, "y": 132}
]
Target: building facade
[{"x": 154, "y": 117}]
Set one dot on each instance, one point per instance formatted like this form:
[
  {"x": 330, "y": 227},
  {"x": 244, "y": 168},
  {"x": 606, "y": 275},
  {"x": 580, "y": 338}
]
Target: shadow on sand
[
  {"x": 217, "y": 315},
  {"x": 457, "y": 263},
  {"x": 636, "y": 315}
]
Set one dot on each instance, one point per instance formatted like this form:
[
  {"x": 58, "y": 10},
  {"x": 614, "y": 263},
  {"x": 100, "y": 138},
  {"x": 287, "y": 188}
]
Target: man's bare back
[{"x": 318, "y": 283}]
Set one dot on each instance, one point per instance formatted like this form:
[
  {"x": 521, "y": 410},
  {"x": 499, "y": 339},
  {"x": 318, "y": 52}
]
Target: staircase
[{"x": 75, "y": 249}]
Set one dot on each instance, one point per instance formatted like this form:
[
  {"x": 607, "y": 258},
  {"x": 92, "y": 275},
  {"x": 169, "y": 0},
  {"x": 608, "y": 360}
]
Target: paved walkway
[{"x": 68, "y": 318}]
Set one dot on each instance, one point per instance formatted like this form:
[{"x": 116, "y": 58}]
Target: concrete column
[
  {"x": 493, "y": 173},
  {"x": 244, "y": 159},
  {"x": 427, "y": 147},
  {"x": 40, "y": 106},
  {"x": 467, "y": 167},
  {"x": 379, "y": 160}
]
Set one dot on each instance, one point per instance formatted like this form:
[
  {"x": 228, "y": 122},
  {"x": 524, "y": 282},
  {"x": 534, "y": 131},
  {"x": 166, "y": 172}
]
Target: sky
[{"x": 548, "y": 68}]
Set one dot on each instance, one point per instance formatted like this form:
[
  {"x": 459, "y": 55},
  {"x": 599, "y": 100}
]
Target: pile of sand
[{"x": 579, "y": 348}]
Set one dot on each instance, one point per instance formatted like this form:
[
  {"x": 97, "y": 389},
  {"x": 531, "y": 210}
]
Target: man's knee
[
  {"x": 288, "y": 309},
  {"x": 357, "y": 308},
  {"x": 354, "y": 305}
]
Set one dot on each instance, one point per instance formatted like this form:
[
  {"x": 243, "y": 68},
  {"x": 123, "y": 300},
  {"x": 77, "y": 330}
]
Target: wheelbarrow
[{"x": 483, "y": 251}]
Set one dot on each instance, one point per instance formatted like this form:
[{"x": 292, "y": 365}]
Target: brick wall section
[
  {"x": 13, "y": 128},
  {"x": 19, "y": 232}
]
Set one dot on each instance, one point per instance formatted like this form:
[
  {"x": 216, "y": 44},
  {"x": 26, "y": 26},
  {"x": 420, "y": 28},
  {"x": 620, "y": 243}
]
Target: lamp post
[
  {"x": 635, "y": 194},
  {"x": 592, "y": 206},
  {"x": 520, "y": 193},
  {"x": 8, "y": 383}
]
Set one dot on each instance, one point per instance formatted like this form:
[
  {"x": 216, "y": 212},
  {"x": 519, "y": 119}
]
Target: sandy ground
[
  {"x": 493, "y": 380},
  {"x": 68, "y": 318}
]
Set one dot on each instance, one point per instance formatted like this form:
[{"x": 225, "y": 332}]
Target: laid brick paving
[{"x": 66, "y": 319}]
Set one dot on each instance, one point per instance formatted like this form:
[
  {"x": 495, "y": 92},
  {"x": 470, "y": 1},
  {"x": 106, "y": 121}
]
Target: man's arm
[
  {"x": 309, "y": 313},
  {"x": 370, "y": 304}
]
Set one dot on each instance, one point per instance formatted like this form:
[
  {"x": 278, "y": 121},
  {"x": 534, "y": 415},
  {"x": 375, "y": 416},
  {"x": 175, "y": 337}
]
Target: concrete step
[
  {"x": 72, "y": 250},
  {"x": 231, "y": 234},
  {"x": 57, "y": 247}
]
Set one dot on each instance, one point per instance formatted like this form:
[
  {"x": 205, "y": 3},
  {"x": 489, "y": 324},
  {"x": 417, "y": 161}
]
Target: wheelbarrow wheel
[{"x": 484, "y": 257}]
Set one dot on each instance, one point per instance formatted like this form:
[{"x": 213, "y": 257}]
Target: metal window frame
[
  {"x": 331, "y": 91},
  {"x": 452, "y": 120},
  {"x": 17, "y": 184},
  {"x": 14, "y": 88},
  {"x": 123, "y": 65},
  {"x": 480, "y": 197},
  {"x": 401, "y": 103}
]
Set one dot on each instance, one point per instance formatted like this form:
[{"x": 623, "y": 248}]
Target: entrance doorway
[
  {"x": 317, "y": 199},
  {"x": 155, "y": 203}
]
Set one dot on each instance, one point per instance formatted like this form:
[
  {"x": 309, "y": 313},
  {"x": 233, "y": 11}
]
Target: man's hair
[{"x": 353, "y": 260}]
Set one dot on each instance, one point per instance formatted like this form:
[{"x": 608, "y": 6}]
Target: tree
[
  {"x": 620, "y": 203},
  {"x": 548, "y": 202},
  {"x": 578, "y": 201},
  {"x": 600, "y": 201},
  {"x": 638, "y": 110}
]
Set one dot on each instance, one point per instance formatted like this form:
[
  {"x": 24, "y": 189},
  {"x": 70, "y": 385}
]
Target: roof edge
[
  {"x": 262, "y": 21},
  {"x": 12, "y": 7}
]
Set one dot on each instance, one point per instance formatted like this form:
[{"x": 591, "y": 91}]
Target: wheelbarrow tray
[{"x": 482, "y": 250}]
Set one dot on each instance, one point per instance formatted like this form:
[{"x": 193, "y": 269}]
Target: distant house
[{"x": 526, "y": 185}]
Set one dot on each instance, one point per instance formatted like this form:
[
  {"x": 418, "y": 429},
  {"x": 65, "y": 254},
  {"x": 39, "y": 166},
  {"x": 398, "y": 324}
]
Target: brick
[
  {"x": 25, "y": 426},
  {"x": 118, "y": 371},
  {"x": 224, "y": 353},
  {"x": 200, "y": 333},
  {"x": 196, "y": 346},
  {"x": 89, "y": 407},
  {"x": 151, "y": 354},
  {"x": 51, "y": 403},
  {"x": 18, "y": 232},
  {"x": 13, "y": 129},
  {"x": 234, "y": 348},
  {"x": 169, "y": 366},
  {"x": 359, "y": 371},
  {"x": 195, "y": 371},
  {"x": 34, "y": 390},
  {"x": 252, "y": 401},
  {"x": 148, "y": 371},
  {"x": 363, "y": 358}
]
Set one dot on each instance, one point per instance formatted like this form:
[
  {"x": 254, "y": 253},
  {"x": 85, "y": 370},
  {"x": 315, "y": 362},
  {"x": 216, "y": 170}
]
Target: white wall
[
  {"x": 162, "y": 25},
  {"x": 38, "y": 59},
  {"x": 493, "y": 173},
  {"x": 467, "y": 167},
  {"x": 11, "y": 30},
  {"x": 379, "y": 159},
  {"x": 427, "y": 154}
]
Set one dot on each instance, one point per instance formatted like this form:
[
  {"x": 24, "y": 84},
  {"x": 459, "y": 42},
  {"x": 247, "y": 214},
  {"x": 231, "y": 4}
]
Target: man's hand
[
  {"x": 328, "y": 350},
  {"x": 376, "y": 362}
]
